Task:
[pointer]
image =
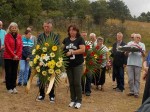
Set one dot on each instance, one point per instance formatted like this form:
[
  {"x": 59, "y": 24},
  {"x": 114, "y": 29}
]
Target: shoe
[
  {"x": 130, "y": 94},
  {"x": 115, "y": 88},
  {"x": 25, "y": 84},
  {"x": 15, "y": 91},
  {"x": 119, "y": 90},
  {"x": 88, "y": 94},
  {"x": 52, "y": 99},
  {"x": 10, "y": 91},
  {"x": 19, "y": 84},
  {"x": 136, "y": 96},
  {"x": 71, "y": 104},
  {"x": 77, "y": 105},
  {"x": 40, "y": 98}
]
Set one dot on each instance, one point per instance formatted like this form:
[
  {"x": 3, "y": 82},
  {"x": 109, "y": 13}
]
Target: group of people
[{"x": 17, "y": 50}]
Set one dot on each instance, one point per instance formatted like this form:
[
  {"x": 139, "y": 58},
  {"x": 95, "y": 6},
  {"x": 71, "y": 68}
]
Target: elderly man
[
  {"x": 93, "y": 39},
  {"x": 47, "y": 27},
  {"x": 134, "y": 65},
  {"x": 2, "y": 36},
  {"x": 119, "y": 62}
]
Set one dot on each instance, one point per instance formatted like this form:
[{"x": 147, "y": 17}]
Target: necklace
[{"x": 72, "y": 38}]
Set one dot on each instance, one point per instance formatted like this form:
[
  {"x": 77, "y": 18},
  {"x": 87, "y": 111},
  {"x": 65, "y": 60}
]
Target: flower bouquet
[
  {"x": 93, "y": 59},
  {"x": 48, "y": 63}
]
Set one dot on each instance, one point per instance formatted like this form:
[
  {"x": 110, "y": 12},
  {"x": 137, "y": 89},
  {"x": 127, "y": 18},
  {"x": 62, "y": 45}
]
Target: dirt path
[{"x": 107, "y": 101}]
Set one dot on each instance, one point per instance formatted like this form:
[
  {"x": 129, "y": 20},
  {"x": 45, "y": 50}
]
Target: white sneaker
[
  {"x": 15, "y": 91},
  {"x": 52, "y": 100},
  {"x": 71, "y": 104},
  {"x": 78, "y": 105},
  {"x": 10, "y": 91}
]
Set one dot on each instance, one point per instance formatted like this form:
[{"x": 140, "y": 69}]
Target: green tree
[{"x": 119, "y": 10}]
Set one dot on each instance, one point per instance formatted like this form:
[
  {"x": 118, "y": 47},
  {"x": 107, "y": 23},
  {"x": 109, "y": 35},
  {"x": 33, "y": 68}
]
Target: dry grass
[{"x": 107, "y": 101}]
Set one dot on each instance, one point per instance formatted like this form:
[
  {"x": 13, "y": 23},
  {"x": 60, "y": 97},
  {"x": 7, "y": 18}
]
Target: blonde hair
[
  {"x": 92, "y": 35},
  {"x": 12, "y": 24}
]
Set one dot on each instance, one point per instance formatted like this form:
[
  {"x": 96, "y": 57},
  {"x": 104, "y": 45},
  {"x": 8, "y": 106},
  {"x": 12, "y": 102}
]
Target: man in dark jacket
[
  {"x": 47, "y": 26},
  {"x": 119, "y": 62}
]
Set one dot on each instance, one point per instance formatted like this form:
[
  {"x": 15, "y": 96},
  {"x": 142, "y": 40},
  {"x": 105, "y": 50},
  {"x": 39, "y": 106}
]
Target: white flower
[
  {"x": 33, "y": 51},
  {"x": 46, "y": 58}
]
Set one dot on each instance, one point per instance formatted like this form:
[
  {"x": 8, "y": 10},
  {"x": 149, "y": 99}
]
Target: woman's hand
[{"x": 16, "y": 58}]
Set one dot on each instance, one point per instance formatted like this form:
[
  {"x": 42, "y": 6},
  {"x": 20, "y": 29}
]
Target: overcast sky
[{"x": 136, "y": 7}]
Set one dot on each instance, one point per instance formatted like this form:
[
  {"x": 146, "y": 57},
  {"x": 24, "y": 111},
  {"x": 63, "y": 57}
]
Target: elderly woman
[
  {"x": 12, "y": 55},
  {"x": 134, "y": 66},
  {"x": 74, "y": 47}
]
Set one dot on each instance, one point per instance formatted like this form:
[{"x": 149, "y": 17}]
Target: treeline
[
  {"x": 33, "y": 12},
  {"x": 63, "y": 12}
]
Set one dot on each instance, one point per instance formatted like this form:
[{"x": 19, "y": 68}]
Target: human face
[
  {"x": 1, "y": 25},
  {"x": 47, "y": 27},
  {"x": 13, "y": 29},
  {"x": 99, "y": 42},
  {"x": 84, "y": 35},
  {"x": 137, "y": 39},
  {"x": 72, "y": 32},
  {"x": 119, "y": 37},
  {"x": 28, "y": 35}
]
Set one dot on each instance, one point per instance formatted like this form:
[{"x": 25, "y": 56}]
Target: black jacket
[{"x": 119, "y": 58}]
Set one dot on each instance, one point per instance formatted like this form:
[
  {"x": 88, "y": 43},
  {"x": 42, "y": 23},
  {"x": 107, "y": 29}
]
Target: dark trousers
[
  {"x": 11, "y": 68},
  {"x": 113, "y": 76},
  {"x": 74, "y": 76},
  {"x": 86, "y": 82},
  {"x": 146, "y": 94},
  {"x": 100, "y": 76},
  {"x": 42, "y": 91},
  {"x": 119, "y": 73}
]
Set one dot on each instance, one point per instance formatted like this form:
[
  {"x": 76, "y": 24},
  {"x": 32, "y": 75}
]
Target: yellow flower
[
  {"x": 33, "y": 51},
  {"x": 51, "y": 64},
  {"x": 31, "y": 63},
  {"x": 48, "y": 78},
  {"x": 50, "y": 71},
  {"x": 44, "y": 49},
  {"x": 44, "y": 73},
  {"x": 54, "y": 48},
  {"x": 60, "y": 59},
  {"x": 37, "y": 47},
  {"x": 59, "y": 64},
  {"x": 38, "y": 69},
  {"x": 34, "y": 60},
  {"x": 46, "y": 44},
  {"x": 37, "y": 56},
  {"x": 52, "y": 55},
  {"x": 42, "y": 55},
  {"x": 58, "y": 71},
  {"x": 95, "y": 56}
]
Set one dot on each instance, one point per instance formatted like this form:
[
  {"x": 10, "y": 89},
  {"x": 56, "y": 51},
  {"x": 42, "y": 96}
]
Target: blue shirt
[{"x": 2, "y": 36}]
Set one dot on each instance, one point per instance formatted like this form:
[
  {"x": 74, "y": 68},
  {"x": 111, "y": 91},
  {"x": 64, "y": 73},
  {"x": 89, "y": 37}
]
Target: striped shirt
[{"x": 105, "y": 50}]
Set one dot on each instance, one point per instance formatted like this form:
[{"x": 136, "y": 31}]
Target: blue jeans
[{"x": 24, "y": 71}]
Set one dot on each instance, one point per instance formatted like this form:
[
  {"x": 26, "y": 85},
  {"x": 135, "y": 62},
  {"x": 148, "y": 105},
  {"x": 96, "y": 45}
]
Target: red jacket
[{"x": 9, "y": 43}]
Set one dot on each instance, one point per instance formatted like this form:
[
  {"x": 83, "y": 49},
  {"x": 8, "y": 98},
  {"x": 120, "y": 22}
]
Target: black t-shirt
[{"x": 74, "y": 60}]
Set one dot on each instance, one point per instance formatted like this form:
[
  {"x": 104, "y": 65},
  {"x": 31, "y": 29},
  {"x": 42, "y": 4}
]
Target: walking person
[
  {"x": 74, "y": 47},
  {"x": 119, "y": 62},
  {"x": 47, "y": 26},
  {"x": 26, "y": 57},
  {"x": 101, "y": 71},
  {"x": 12, "y": 55},
  {"x": 2, "y": 35},
  {"x": 134, "y": 66},
  {"x": 86, "y": 84}
]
